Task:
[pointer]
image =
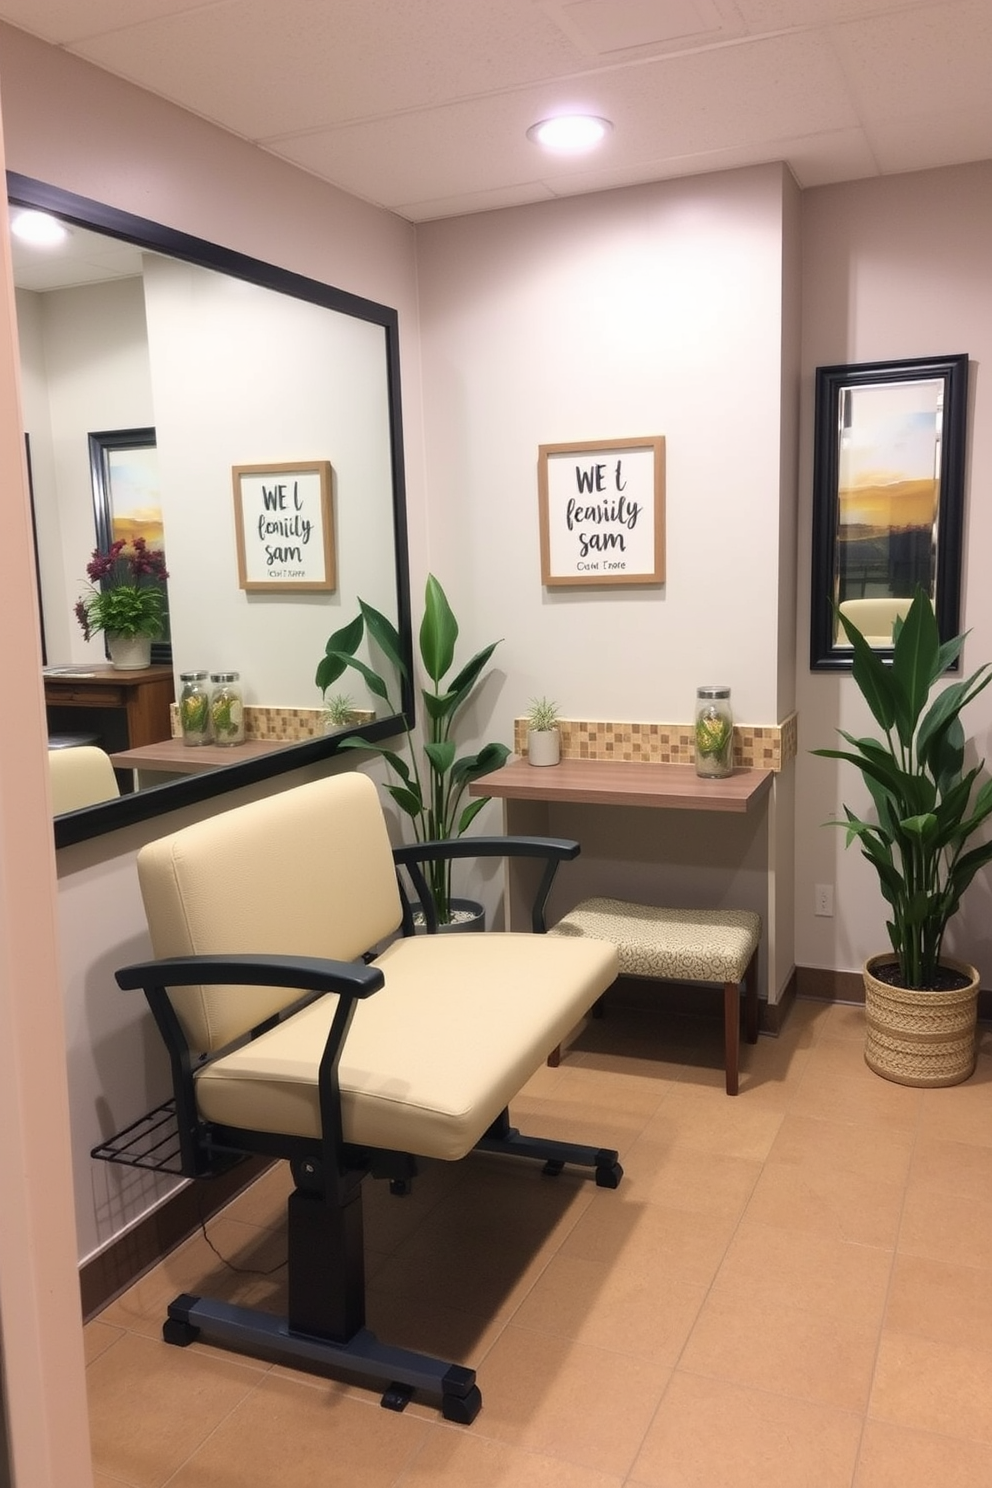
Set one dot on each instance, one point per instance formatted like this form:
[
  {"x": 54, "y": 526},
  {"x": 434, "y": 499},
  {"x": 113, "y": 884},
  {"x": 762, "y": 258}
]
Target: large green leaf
[
  {"x": 470, "y": 813},
  {"x": 914, "y": 665},
  {"x": 461, "y": 685},
  {"x": 473, "y": 766},
  {"x": 395, "y": 761},
  {"x": 441, "y": 756},
  {"x": 871, "y": 675},
  {"x": 438, "y": 632},
  {"x": 342, "y": 644},
  {"x": 407, "y": 800},
  {"x": 373, "y": 681},
  {"x": 385, "y": 635}
]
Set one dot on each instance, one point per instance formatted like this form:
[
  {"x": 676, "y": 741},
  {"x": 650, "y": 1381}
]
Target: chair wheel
[
  {"x": 399, "y": 1187},
  {"x": 397, "y": 1397},
  {"x": 552, "y": 1168},
  {"x": 181, "y": 1334},
  {"x": 609, "y": 1175},
  {"x": 462, "y": 1409}
]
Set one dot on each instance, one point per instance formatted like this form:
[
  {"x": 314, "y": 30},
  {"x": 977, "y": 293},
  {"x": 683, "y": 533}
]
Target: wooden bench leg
[{"x": 731, "y": 1032}]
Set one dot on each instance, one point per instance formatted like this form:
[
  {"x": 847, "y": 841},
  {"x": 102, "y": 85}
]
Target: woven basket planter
[{"x": 920, "y": 1038}]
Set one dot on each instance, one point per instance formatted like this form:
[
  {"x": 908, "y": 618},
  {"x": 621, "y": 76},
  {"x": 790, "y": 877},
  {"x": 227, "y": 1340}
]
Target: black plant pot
[{"x": 469, "y": 915}]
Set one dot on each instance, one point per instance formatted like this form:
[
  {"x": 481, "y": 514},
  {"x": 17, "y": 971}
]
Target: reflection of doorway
[
  {"x": 127, "y": 501},
  {"x": 37, "y": 567}
]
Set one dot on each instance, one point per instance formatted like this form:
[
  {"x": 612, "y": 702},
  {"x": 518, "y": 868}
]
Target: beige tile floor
[{"x": 792, "y": 1289}]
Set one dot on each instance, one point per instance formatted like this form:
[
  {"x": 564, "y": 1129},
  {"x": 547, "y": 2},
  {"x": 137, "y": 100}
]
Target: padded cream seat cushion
[
  {"x": 430, "y": 1060},
  {"x": 691, "y": 945}
]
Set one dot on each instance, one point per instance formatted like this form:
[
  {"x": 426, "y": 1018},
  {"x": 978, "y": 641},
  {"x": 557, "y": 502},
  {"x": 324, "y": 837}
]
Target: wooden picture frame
[
  {"x": 602, "y": 512},
  {"x": 284, "y": 524},
  {"x": 888, "y": 499}
]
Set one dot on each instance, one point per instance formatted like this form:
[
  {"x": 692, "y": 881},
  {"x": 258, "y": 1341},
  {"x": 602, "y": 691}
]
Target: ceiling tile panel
[
  {"x": 683, "y": 106},
  {"x": 931, "y": 140},
  {"x": 927, "y": 60},
  {"x": 331, "y": 61},
  {"x": 783, "y": 15},
  {"x": 68, "y": 21}
]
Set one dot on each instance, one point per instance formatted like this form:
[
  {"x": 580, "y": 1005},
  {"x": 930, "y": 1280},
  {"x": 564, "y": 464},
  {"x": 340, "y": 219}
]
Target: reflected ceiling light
[
  {"x": 571, "y": 133},
  {"x": 39, "y": 228}
]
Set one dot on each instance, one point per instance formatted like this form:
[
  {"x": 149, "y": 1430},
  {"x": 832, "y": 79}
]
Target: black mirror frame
[
  {"x": 825, "y": 655},
  {"x": 95, "y": 821}
]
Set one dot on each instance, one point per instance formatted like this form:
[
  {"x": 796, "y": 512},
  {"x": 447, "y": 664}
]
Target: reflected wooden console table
[
  {"x": 156, "y": 763},
  {"x": 125, "y": 708}
]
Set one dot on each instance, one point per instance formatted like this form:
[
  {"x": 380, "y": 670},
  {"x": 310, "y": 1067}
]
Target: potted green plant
[
  {"x": 543, "y": 733},
  {"x": 429, "y": 786},
  {"x": 920, "y": 1005},
  {"x": 126, "y": 600}
]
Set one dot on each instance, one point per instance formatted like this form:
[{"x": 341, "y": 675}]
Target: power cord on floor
[{"x": 239, "y": 1270}]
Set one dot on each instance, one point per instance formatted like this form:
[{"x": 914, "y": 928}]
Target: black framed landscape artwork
[
  {"x": 888, "y": 499},
  {"x": 126, "y": 499}
]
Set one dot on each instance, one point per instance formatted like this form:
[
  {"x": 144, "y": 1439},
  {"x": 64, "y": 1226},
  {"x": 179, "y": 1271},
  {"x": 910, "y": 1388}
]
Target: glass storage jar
[
  {"x": 227, "y": 714},
  {"x": 194, "y": 708},
  {"x": 714, "y": 732}
]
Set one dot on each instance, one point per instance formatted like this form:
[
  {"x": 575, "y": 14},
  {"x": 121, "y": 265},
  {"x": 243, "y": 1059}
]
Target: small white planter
[
  {"x": 543, "y": 746},
  {"x": 129, "y": 653}
]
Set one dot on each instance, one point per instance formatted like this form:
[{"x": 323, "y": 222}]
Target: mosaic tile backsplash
[
  {"x": 762, "y": 747},
  {"x": 290, "y": 724}
]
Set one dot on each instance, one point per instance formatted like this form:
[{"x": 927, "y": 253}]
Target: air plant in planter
[
  {"x": 339, "y": 712},
  {"x": 543, "y": 734},
  {"x": 429, "y": 789},
  {"x": 920, "y": 1006}
]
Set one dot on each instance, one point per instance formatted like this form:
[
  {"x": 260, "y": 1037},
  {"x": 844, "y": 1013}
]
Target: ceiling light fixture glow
[
  {"x": 39, "y": 228},
  {"x": 572, "y": 133}
]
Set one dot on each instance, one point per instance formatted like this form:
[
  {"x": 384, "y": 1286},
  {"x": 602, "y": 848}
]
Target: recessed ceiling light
[
  {"x": 570, "y": 132},
  {"x": 39, "y": 228}
]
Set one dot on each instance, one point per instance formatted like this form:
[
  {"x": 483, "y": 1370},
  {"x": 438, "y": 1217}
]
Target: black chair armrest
[
  {"x": 553, "y": 850},
  {"x": 306, "y": 973},
  {"x": 350, "y": 981}
]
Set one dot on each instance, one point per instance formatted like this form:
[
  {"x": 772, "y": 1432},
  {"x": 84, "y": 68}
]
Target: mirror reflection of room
[{"x": 219, "y": 372}]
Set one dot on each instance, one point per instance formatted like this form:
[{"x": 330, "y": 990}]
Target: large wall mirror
[
  {"x": 232, "y": 363},
  {"x": 888, "y": 499}
]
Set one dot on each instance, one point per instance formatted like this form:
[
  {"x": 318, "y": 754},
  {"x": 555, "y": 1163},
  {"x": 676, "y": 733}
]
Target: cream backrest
[
  {"x": 873, "y": 617},
  {"x": 306, "y": 872},
  {"x": 80, "y": 776}
]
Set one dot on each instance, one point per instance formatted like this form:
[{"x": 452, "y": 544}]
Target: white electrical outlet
[{"x": 823, "y": 899}]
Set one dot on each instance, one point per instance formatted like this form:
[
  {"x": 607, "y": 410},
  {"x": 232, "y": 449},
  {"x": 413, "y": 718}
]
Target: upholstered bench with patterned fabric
[{"x": 682, "y": 945}]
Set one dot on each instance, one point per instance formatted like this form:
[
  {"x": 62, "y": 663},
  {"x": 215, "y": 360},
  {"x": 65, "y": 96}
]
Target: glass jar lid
[
  {"x": 224, "y": 676},
  {"x": 192, "y": 676},
  {"x": 718, "y": 691}
]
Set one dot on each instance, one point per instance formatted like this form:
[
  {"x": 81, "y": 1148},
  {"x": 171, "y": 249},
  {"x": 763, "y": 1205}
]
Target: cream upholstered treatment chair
[
  {"x": 80, "y": 776},
  {"x": 874, "y": 618},
  {"x": 290, "y": 1036}
]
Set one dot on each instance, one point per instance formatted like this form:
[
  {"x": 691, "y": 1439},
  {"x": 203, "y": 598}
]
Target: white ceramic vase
[
  {"x": 543, "y": 746},
  {"x": 129, "y": 653}
]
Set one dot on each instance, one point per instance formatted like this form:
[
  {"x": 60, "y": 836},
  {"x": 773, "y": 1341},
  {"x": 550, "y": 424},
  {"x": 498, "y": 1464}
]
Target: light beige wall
[
  {"x": 892, "y": 268},
  {"x": 650, "y": 310}
]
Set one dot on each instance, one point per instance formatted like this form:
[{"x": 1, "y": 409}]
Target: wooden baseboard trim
[
  {"x": 105, "y": 1275},
  {"x": 848, "y": 986}
]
